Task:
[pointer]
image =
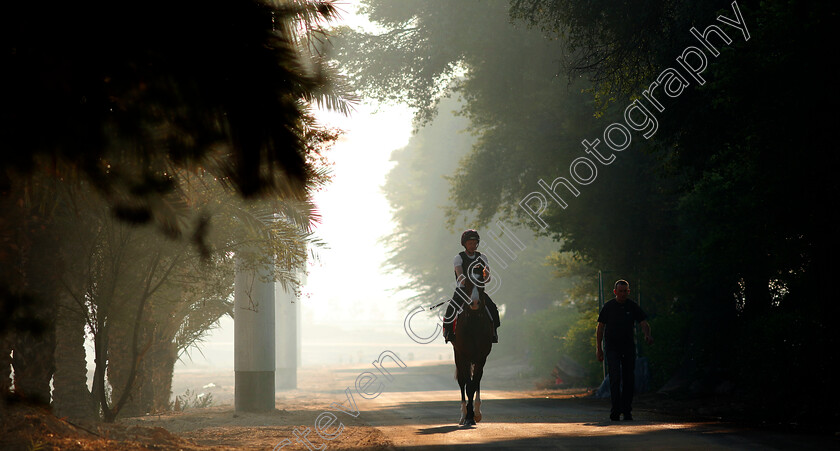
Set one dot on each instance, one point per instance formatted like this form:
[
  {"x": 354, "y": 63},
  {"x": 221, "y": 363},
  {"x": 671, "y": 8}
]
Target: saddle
[{"x": 483, "y": 311}]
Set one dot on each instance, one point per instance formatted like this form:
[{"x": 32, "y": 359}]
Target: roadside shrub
[
  {"x": 539, "y": 335},
  {"x": 668, "y": 350},
  {"x": 579, "y": 344}
]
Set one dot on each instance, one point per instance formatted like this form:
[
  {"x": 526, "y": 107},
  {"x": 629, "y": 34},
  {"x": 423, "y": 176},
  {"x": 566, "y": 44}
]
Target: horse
[{"x": 473, "y": 342}]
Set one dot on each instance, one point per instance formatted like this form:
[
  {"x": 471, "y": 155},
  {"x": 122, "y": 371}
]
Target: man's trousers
[{"x": 621, "y": 366}]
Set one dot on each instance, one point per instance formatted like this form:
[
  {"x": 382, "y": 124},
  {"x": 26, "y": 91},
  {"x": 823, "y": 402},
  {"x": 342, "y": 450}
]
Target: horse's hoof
[
  {"x": 477, "y": 417},
  {"x": 469, "y": 423}
]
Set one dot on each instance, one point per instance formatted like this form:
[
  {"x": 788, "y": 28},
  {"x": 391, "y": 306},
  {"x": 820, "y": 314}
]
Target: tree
[
  {"x": 744, "y": 205},
  {"x": 715, "y": 212},
  {"x": 131, "y": 104},
  {"x": 418, "y": 190},
  {"x": 418, "y": 59},
  {"x": 92, "y": 83},
  {"x": 147, "y": 299}
]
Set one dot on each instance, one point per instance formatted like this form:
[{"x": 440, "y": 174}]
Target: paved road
[{"x": 419, "y": 410}]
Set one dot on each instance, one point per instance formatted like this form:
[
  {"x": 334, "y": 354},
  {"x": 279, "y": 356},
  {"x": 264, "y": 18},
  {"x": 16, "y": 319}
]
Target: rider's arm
[
  {"x": 459, "y": 271},
  {"x": 459, "y": 275}
]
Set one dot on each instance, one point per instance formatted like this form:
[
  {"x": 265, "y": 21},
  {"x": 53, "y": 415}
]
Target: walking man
[{"x": 615, "y": 323}]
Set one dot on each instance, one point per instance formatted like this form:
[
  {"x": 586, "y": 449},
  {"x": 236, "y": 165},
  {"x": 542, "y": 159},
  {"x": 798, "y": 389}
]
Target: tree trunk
[
  {"x": 71, "y": 397},
  {"x": 5, "y": 366},
  {"x": 33, "y": 349},
  {"x": 33, "y": 364},
  {"x": 119, "y": 365},
  {"x": 164, "y": 357},
  {"x": 100, "y": 347},
  {"x": 152, "y": 386}
]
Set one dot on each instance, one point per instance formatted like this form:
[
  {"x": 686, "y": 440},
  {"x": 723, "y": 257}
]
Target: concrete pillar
[
  {"x": 298, "y": 307},
  {"x": 288, "y": 308},
  {"x": 253, "y": 319}
]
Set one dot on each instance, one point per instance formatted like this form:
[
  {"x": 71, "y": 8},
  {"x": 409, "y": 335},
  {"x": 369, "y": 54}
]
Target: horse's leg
[
  {"x": 470, "y": 421},
  {"x": 462, "y": 382},
  {"x": 477, "y": 401},
  {"x": 463, "y": 404},
  {"x": 478, "y": 371}
]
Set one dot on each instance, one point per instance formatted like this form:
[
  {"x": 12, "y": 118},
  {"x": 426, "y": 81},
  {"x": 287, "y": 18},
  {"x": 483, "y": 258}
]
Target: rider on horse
[{"x": 472, "y": 272}]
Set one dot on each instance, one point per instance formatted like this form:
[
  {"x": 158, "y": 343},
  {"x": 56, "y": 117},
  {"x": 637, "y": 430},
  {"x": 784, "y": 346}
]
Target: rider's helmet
[{"x": 470, "y": 234}]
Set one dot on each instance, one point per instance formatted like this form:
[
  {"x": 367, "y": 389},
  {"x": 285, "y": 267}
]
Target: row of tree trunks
[
  {"x": 33, "y": 363},
  {"x": 33, "y": 339},
  {"x": 5, "y": 367},
  {"x": 152, "y": 386},
  {"x": 71, "y": 397},
  {"x": 56, "y": 351}
]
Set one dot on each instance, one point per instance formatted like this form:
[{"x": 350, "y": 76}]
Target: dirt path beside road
[{"x": 417, "y": 409}]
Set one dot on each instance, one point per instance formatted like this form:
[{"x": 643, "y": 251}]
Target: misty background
[{"x": 354, "y": 143}]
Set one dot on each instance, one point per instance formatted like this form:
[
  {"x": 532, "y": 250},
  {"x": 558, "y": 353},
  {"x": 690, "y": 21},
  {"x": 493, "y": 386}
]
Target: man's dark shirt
[{"x": 618, "y": 319}]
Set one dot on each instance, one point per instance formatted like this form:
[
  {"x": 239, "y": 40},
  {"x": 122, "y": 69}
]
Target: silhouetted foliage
[
  {"x": 114, "y": 115},
  {"x": 123, "y": 90},
  {"x": 719, "y": 215},
  {"x": 423, "y": 247}
]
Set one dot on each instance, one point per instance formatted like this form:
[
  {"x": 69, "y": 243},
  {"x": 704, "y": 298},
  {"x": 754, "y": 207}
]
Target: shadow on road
[
  {"x": 514, "y": 410},
  {"x": 438, "y": 430}
]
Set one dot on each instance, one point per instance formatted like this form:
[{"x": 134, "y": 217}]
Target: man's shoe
[
  {"x": 628, "y": 417},
  {"x": 615, "y": 417}
]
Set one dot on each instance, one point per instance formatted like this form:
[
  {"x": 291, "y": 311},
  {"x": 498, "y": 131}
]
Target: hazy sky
[
  {"x": 347, "y": 288},
  {"x": 348, "y": 304},
  {"x": 348, "y": 283}
]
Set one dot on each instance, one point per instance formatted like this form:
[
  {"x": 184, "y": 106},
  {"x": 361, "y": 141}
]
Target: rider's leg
[
  {"x": 453, "y": 307},
  {"x": 448, "y": 325},
  {"x": 495, "y": 331},
  {"x": 494, "y": 311},
  {"x": 494, "y": 315}
]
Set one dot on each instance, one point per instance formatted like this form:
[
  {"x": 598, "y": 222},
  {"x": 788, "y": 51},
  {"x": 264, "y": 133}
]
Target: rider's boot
[
  {"x": 494, "y": 318},
  {"x": 448, "y": 329}
]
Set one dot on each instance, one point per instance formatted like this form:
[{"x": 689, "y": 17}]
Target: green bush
[
  {"x": 545, "y": 333},
  {"x": 579, "y": 345},
  {"x": 511, "y": 337},
  {"x": 668, "y": 350},
  {"x": 665, "y": 355},
  {"x": 192, "y": 399},
  {"x": 781, "y": 372},
  {"x": 540, "y": 334}
]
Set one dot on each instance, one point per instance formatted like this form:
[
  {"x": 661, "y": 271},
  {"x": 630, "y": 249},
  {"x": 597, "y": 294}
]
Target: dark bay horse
[{"x": 473, "y": 341}]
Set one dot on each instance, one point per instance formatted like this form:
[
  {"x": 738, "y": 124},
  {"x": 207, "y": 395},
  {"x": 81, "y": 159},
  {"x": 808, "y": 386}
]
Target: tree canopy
[
  {"x": 718, "y": 213},
  {"x": 194, "y": 118},
  {"x": 126, "y": 94},
  {"x": 424, "y": 247}
]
